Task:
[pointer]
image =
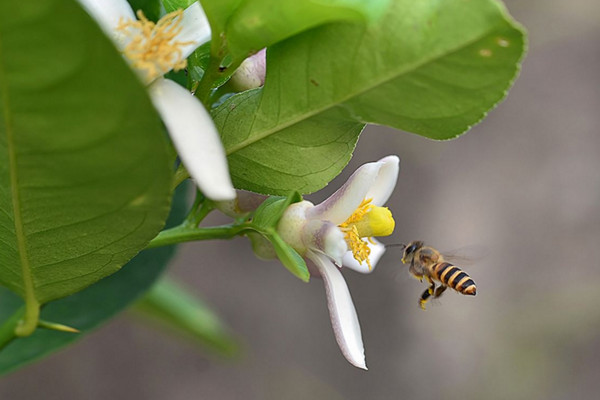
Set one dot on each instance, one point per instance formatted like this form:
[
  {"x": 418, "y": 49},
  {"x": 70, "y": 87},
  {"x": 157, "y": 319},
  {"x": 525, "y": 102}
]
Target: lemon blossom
[
  {"x": 152, "y": 50},
  {"x": 339, "y": 232}
]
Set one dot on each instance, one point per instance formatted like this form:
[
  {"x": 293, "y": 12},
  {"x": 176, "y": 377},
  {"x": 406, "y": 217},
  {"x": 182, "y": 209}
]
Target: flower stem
[
  {"x": 186, "y": 233},
  {"x": 181, "y": 174}
]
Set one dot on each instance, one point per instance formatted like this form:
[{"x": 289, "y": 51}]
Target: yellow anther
[
  {"x": 359, "y": 247},
  {"x": 364, "y": 223},
  {"x": 377, "y": 222},
  {"x": 152, "y": 47}
]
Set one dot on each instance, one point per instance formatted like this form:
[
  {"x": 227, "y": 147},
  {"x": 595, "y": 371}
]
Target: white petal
[
  {"x": 377, "y": 251},
  {"x": 195, "y": 138},
  {"x": 341, "y": 310},
  {"x": 340, "y": 205},
  {"x": 108, "y": 13},
  {"x": 384, "y": 184},
  {"x": 325, "y": 237},
  {"x": 195, "y": 29}
]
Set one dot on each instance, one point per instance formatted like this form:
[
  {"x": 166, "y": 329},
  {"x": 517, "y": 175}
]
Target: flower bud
[{"x": 251, "y": 73}]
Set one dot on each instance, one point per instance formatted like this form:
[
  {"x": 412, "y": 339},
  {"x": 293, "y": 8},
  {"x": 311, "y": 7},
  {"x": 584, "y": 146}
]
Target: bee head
[{"x": 409, "y": 251}]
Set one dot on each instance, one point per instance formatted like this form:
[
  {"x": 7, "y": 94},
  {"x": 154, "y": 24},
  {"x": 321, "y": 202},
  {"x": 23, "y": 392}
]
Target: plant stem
[
  {"x": 185, "y": 233},
  {"x": 211, "y": 75},
  {"x": 181, "y": 174}
]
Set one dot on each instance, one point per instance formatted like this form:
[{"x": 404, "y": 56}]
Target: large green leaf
[
  {"x": 430, "y": 67},
  {"x": 276, "y": 160},
  {"x": 91, "y": 307},
  {"x": 85, "y": 171},
  {"x": 246, "y": 26}
]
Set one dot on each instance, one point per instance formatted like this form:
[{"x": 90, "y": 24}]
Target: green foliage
[
  {"x": 172, "y": 5},
  {"x": 85, "y": 167},
  {"x": 91, "y": 307},
  {"x": 268, "y": 214},
  {"x": 432, "y": 68},
  {"x": 289, "y": 257},
  {"x": 250, "y": 25},
  {"x": 265, "y": 222},
  {"x": 174, "y": 307},
  {"x": 150, "y": 8}
]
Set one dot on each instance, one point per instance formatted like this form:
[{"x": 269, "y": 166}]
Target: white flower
[
  {"x": 152, "y": 50},
  {"x": 340, "y": 231}
]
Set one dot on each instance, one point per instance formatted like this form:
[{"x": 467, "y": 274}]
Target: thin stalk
[
  {"x": 184, "y": 233},
  {"x": 181, "y": 174}
]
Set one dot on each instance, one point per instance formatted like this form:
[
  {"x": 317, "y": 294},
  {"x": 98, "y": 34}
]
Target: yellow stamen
[
  {"x": 152, "y": 47},
  {"x": 364, "y": 223}
]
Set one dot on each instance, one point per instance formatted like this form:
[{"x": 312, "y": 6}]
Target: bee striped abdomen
[{"x": 456, "y": 278}]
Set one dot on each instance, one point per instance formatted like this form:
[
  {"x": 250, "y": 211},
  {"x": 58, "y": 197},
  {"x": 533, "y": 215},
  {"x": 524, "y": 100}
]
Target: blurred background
[{"x": 524, "y": 184}]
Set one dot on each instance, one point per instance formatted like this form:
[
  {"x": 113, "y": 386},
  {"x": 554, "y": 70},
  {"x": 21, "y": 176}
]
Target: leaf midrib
[
  {"x": 26, "y": 273},
  {"x": 386, "y": 78}
]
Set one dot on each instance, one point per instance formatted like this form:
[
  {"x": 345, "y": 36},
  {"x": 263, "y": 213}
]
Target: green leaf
[
  {"x": 150, "y": 8},
  {"x": 267, "y": 215},
  {"x": 289, "y": 257},
  {"x": 278, "y": 158},
  {"x": 85, "y": 169},
  {"x": 176, "y": 308},
  {"x": 172, "y": 5},
  {"x": 91, "y": 307},
  {"x": 428, "y": 67},
  {"x": 251, "y": 25}
]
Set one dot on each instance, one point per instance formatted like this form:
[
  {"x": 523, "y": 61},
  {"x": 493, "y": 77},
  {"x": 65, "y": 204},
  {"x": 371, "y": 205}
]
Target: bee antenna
[{"x": 396, "y": 245}]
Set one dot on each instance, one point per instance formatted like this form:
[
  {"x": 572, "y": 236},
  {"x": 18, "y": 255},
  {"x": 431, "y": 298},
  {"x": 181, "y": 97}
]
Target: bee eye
[{"x": 410, "y": 249}]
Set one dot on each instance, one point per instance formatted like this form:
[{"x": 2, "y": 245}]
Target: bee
[{"x": 426, "y": 262}]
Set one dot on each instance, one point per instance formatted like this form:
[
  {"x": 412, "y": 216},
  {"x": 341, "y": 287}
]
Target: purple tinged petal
[
  {"x": 384, "y": 184},
  {"x": 325, "y": 237},
  {"x": 340, "y": 205},
  {"x": 344, "y": 320},
  {"x": 377, "y": 250}
]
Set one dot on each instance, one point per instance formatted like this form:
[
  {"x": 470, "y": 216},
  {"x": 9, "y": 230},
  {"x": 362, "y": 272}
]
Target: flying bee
[{"x": 426, "y": 262}]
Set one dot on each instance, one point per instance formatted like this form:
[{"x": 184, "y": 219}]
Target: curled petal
[
  {"x": 377, "y": 250},
  {"x": 195, "y": 29},
  {"x": 340, "y": 205},
  {"x": 325, "y": 237},
  {"x": 384, "y": 184},
  {"x": 108, "y": 13},
  {"x": 341, "y": 310},
  {"x": 195, "y": 138}
]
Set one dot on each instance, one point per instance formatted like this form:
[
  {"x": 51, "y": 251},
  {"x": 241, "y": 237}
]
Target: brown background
[{"x": 524, "y": 184}]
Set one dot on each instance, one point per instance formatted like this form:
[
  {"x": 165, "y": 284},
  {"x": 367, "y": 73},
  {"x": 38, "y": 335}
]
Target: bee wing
[{"x": 467, "y": 255}]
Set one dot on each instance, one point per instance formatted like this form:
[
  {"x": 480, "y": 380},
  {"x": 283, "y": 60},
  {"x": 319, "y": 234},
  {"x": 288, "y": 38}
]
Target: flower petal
[
  {"x": 340, "y": 205},
  {"x": 108, "y": 13},
  {"x": 326, "y": 238},
  {"x": 341, "y": 310},
  {"x": 384, "y": 184},
  {"x": 377, "y": 250},
  {"x": 194, "y": 28},
  {"x": 195, "y": 138}
]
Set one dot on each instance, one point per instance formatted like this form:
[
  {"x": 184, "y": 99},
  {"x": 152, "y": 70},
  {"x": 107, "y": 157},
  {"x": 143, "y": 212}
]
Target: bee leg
[
  {"x": 427, "y": 294},
  {"x": 439, "y": 291}
]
